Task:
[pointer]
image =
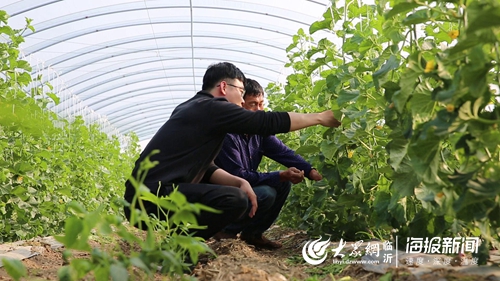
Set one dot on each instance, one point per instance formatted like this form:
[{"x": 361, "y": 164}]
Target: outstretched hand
[
  {"x": 293, "y": 175},
  {"x": 314, "y": 175},
  {"x": 329, "y": 120}
]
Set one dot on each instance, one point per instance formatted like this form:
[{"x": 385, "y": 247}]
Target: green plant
[
  {"x": 165, "y": 243},
  {"x": 416, "y": 86},
  {"x": 14, "y": 268},
  {"x": 47, "y": 161}
]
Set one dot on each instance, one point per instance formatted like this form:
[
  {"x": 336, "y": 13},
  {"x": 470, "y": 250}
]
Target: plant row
[
  {"x": 416, "y": 86},
  {"x": 47, "y": 161}
]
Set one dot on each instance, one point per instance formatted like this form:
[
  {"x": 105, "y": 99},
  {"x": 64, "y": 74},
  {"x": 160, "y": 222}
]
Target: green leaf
[
  {"x": 347, "y": 96},
  {"x": 202, "y": 207},
  {"x": 319, "y": 87},
  {"x": 490, "y": 139},
  {"x": 332, "y": 82},
  {"x": 178, "y": 198},
  {"x": 101, "y": 273},
  {"x": 3, "y": 16},
  {"x": 386, "y": 277},
  {"x": 381, "y": 202},
  {"x": 389, "y": 89},
  {"x": 328, "y": 149},
  {"x": 54, "y": 98},
  {"x": 419, "y": 16},
  {"x": 353, "y": 113},
  {"x": 45, "y": 154},
  {"x": 439, "y": 126},
  {"x": 24, "y": 167},
  {"x": 19, "y": 191},
  {"x": 483, "y": 253},
  {"x": 104, "y": 228},
  {"x": 184, "y": 216},
  {"x": 390, "y": 64},
  {"x": 484, "y": 187},
  {"x": 422, "y": 106},
  {"x": 326, "y": 23},
  {"x": 348, "y": 200},
  {"x": 401, "y": 8},
  {"x": 424, "y": 155},
  {"x": 393, "y": 32},
  {"x": 150, "y": 197},
  {"x": 139, "y": 263},
  {"x": 64, "y": 273},
  {"x": 307, "y": 149},
  {"x": 22, "y": 64},
  {"x": 72, "y": 229},
  {"x": 118, "y": 272},
  {"x": 344, "y": 164},
  {"x": 404, "y": 184},
  {"x": 488, "y": 18},
  {"x": 6, "y": 29},
  {"x": 14, "y": 268},
  {"x": 397, "y": 148},
  {"x": 68, "y": 191},
  {"x": 407, "y": 85},
  {"x": 24, "y": 78},
  {"x": 77, "y": 207},
  {"x": 463, "y": 45},
  {"x": 319, "y": 196},
  {"x": 81, "y": 267}
]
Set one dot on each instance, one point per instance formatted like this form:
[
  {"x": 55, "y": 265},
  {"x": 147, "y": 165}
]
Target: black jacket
[{"x": 193, "y": 135}]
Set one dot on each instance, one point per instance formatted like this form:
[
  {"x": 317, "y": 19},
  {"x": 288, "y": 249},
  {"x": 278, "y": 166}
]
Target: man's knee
[
  {"x": 237, "y": 200},
  {"x": 266, "y": 195}
]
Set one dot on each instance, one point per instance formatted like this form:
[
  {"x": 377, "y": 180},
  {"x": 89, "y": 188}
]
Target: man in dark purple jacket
[
  {"x": 241, "y": 155},
  {"x": 191, "y": 139}
]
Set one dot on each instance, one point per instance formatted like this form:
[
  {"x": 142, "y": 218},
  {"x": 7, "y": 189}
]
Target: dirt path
[{"x": 237, "y": 261}]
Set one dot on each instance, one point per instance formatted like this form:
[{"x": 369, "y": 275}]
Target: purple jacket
[{"x": 241, "y": 155}]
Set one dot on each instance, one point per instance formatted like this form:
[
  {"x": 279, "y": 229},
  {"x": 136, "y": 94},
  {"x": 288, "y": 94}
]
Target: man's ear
[{"x": 222, "y": 88}]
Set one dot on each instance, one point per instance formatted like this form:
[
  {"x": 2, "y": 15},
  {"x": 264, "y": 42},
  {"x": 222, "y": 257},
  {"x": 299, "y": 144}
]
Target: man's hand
[
  {"x": 304, "y": 120},
  {"x": 328, "y": 120},
  {"x": 224, "y": 178},
  {"x": 314, "y": 175},
  {"x": 293, "y": 175},
  {"x": 247, "y": 188}
]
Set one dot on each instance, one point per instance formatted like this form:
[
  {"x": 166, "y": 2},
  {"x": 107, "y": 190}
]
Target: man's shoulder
[
  {"x": 234, "y": 136},
  {"x": 205, "y": 101}
]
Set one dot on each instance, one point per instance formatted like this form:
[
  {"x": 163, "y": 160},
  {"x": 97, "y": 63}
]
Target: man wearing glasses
[
  {"x": 191, "y": 139},
  {"x": 241, "y": 155}
]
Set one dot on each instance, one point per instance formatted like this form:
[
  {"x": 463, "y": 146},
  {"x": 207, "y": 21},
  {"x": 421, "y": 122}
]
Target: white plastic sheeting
[{"x": 130, "y": 63}]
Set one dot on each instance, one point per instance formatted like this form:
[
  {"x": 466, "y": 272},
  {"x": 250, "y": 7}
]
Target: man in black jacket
[{"x": 192, "y": 137}]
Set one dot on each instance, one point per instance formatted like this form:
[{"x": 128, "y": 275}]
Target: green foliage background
[
  {"x": 415, "y": 85},
  {"x": 47, "y": 161}
]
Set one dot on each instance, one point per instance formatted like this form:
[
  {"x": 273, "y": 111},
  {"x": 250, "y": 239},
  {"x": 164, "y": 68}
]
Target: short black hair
[
  {"x": 253, "y": 88},
  {"x": 219, "y": 71}
]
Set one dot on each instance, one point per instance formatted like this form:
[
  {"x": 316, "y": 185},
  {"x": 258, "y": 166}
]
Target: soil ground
[{"x": 237, "y": 261}]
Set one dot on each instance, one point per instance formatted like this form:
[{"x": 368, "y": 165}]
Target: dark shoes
[
  {"x": 260, "y": 241},
  {"x": 224, "y": 235}
]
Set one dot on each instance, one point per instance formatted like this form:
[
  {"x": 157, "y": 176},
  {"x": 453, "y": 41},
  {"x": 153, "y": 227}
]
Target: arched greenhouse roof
[{"x": 131, "y": 62}]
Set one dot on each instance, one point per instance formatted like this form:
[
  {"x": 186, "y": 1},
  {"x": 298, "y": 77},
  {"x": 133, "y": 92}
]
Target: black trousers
[{"x": 230, "y": 200}]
